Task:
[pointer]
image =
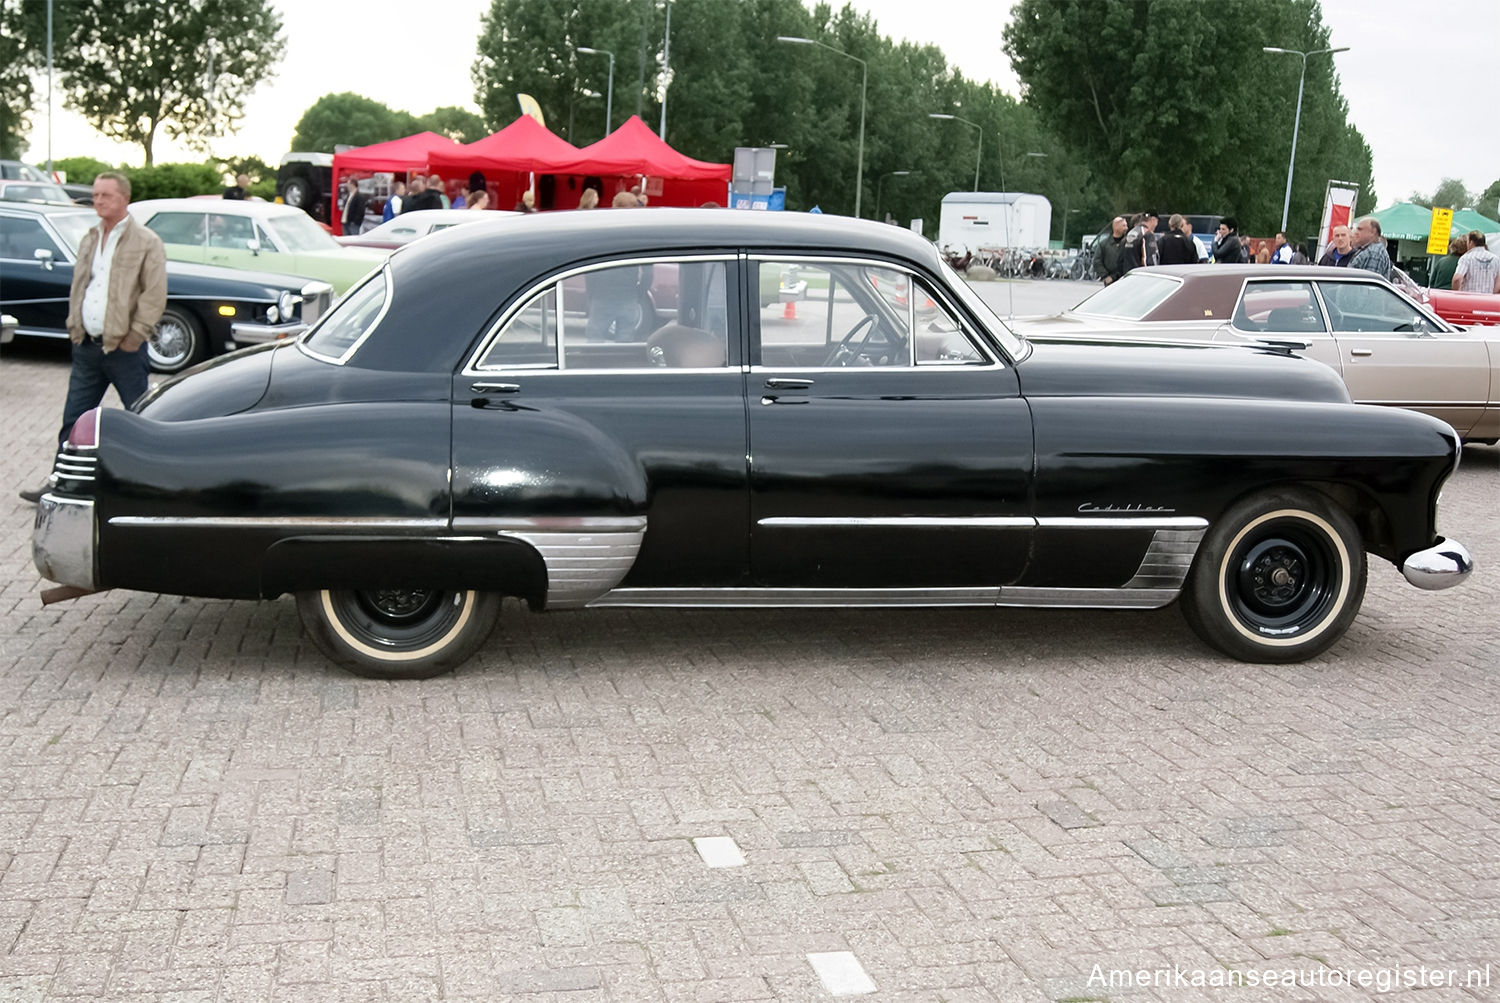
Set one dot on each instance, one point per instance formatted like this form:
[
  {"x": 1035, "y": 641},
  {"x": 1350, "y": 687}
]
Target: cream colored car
[{"x": 1389, "y": 349}]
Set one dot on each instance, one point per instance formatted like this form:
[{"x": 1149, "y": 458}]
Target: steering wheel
[{"x": 843, "y": 354}]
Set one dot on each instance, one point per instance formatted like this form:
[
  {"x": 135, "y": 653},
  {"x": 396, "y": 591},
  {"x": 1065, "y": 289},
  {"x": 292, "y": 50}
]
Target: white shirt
[{"x": 96, "y": 294}]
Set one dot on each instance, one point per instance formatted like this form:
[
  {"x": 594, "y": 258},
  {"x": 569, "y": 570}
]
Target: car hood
[{"x": 1057, "y": 368}]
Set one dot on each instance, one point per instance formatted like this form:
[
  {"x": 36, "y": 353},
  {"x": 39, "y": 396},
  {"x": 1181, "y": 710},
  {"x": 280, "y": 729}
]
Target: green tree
[
  {"x": 1488, "y": 202},
  {"x": 1450, "y": 194},
  {"x": 1173, "y": 103},
  {"x": 350, "y": 120},
  {"x": 132, "y": 67},
  {"x": 23, "y": 40},
  {"x": 81, "y": 170},
  {"x": 458, "y": 124}
]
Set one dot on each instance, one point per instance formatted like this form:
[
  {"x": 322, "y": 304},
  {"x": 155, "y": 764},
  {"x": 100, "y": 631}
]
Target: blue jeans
[{"x": 94, "y": 370}]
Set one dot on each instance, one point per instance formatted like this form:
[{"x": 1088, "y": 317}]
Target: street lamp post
[
  {"x": 666, "y": 71},
  {"x": 1297, "y": 122},
  {"x": 609, "y": 99},
  {"x": 979, "y": 147},
  {"x": 887, "y": 174},
  {"x": 859, "y": 173}
]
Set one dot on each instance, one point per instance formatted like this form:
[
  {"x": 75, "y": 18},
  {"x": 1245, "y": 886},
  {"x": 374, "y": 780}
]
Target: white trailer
[{"x": 971, "y": 220}]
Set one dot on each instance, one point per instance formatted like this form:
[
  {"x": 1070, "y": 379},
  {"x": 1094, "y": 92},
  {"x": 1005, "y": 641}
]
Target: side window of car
[
  {"x": 20, "y": 239},
  {"x": 529, "y": 338},
  {"x": 186, "y": 228},
  {"x": 225, "y": 230},
  {"x": 1365, "y": 306},
  {"x": 671, "y": 314},
  {"x": 940, "y": 339},
  {"x": 1278, "y": 308},
  {"x": 355, "y": 316},
  {"x": 833, "y": 315}
]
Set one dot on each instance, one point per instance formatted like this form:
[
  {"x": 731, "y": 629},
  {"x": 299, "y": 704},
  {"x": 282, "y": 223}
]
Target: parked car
[
  {"x": 33, "y": 191},
  {"x": 210, "y": 310},
  {"x": 261, "y": 236},
  {"x": 471, "y": 422},
  {"x": 1388, "y": 348},
  {"x": 16, "y": 170},
  {"x": 1461, "y": 309},
  {"x": 407, "y": 227}
]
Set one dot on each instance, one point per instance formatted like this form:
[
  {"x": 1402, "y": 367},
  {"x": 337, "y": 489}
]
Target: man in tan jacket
[{"x": 119, "y": 292}]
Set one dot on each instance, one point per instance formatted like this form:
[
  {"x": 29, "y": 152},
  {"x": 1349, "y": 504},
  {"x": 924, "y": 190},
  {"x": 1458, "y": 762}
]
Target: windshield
[
  {"x": 297, "y": 232},
  {"x": 71, "y": 226},
  {"x": 1014, "y": 346},
  {"x": 1134, "y": 296}
]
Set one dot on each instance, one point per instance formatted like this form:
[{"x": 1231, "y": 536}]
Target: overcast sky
[{"x": 1408, "y": 77}]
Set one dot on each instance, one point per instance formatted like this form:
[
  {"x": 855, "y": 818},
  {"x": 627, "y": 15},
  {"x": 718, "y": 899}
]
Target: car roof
[
  {"x": 231, "y": 207},
  {"x": 447, "y": 267},
  {"x": 1265, "y": 271}
]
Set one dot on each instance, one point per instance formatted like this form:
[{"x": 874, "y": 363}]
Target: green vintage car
[{"x": 261, "y": 236}]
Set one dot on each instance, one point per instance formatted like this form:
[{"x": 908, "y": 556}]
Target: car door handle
[
  {"x": 495, "y": 388},
  {"x": 1360, "y": 353},
  {"x": 780, "y": 383}
]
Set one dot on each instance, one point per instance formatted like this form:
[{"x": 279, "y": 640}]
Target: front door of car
[
  {"x": 33, "y": 290},
  {"x": 608, "y": 401},
  {"x": 1393, "y": 354},
  {"x": 888, "y": 447}
]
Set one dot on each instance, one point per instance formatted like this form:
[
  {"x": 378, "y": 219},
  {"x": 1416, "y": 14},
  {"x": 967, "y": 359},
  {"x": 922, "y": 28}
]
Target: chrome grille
[{"x": 315, "y": 302}]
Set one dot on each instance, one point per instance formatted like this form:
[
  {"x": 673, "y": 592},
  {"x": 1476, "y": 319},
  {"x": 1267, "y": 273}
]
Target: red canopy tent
[
  {"x": 410, "y": 153},
  {"x": 633, "y": 151},
  {"x": 509, "y": 158}
]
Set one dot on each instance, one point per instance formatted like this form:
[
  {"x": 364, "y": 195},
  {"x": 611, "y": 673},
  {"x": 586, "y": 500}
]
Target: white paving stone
[
  {"x": 841, "y": 973},
  {"x": 719, "y": 851}
]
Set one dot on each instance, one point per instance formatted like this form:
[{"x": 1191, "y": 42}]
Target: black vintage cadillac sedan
[{"x": 604, "y": 409}]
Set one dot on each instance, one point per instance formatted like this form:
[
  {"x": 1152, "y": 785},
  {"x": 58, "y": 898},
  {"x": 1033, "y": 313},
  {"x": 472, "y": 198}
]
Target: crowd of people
[{"x": 1134, "y": 243}]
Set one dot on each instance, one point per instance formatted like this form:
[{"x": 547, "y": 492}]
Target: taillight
[{"x": 85, "y": 432}]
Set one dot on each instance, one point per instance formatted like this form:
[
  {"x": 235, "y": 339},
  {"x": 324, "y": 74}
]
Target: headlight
[{"x": 286, "y": 302}]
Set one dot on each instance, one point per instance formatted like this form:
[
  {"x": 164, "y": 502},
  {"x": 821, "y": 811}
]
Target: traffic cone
[{"x": 790, "y": 311}]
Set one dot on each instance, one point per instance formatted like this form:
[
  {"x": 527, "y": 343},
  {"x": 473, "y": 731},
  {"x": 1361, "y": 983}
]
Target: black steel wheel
[
  {"x": 1278, "y": 579},
  {"x": 398, "y": 633}
]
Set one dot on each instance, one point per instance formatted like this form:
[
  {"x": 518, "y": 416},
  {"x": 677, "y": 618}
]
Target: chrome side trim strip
[
  {"x": 1121, "y": 522},
  {"x": 565, "y": 523},
  {"x": 276, "y": 522},
  {"x": 1007, "y": 595},
  {"x": 903, "y": 522},
  {"x": 771, "y": 598}
]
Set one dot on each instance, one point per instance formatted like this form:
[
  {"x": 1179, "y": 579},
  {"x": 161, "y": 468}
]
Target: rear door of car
[
  {"x": 603, "y": 420},
  {"x": 889, "y": 448},
  {"x": 1281, "y": 308},
  {"x": 184, "y": 232},
  {"x": 1393, "y": 354}
]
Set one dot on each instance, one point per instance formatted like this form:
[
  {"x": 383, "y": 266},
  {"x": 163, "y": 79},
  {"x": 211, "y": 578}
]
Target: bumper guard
[{"x": 1441, "y": 566}]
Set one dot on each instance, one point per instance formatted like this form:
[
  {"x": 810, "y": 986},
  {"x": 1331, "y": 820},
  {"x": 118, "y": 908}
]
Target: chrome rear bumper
[
  {"x": 62, "y": 540},
  {"x": 1441, "y": 566}
]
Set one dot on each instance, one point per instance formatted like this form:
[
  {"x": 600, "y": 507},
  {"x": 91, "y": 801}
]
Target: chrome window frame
[
  {"x": 965, "y": 329},
  {"x": 556, "y": 279},
  {"x": 385, "y": 275}
]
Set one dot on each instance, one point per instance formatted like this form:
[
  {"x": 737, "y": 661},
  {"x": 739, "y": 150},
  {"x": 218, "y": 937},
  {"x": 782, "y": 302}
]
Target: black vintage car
[
  {"x": 210, "y": 310},
  {"x": 595, "y": 409}
]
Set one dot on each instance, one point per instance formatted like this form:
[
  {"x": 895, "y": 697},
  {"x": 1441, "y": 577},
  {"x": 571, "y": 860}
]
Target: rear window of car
[
  {"x": 340, "y": 333},
  {"x": 1134, "y": 296}
]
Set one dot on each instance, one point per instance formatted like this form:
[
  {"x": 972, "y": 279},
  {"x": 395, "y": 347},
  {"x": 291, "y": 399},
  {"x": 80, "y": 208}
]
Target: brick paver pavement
[{"x": 978, "y": 805}]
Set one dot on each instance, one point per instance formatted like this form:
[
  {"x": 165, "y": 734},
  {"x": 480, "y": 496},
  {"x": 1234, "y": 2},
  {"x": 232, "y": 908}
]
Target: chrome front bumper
[
  {"x": 1441, "y": 566},
  {"x": 254, "y": 334},
  {"x": 62, "y": 540}
]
